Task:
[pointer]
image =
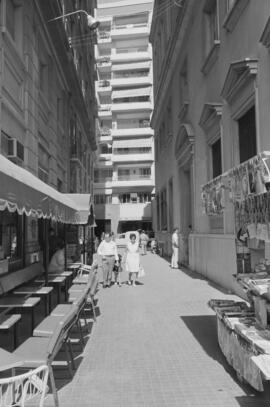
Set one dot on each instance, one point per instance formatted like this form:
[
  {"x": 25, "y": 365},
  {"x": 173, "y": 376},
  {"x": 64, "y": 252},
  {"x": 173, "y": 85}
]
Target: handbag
[{"x": 141, "y": 272}]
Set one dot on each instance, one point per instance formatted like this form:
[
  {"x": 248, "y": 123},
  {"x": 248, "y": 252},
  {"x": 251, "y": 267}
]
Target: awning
[
  {"x": 135, "y": 143},
  {"x": 131, "y": 92},
  {"x": 84, "y": 206},
  {"x": 23, "y": 192},
  {"x": 131, "y": 66}
]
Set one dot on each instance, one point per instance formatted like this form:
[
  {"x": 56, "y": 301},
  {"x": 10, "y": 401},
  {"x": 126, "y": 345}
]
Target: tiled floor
[{"x": 155, "y": 345}]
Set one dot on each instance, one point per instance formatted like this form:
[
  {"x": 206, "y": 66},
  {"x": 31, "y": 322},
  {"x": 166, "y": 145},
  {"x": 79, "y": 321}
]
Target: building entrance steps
[{"x": 155, "y": 345}]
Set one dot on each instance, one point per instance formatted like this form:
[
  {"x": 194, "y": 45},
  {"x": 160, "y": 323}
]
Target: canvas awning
[
  {"x": 134, "y": 143},
  {"x": 131, "y": 92},
  {"x": 23, "y": 192},
  {"x": 84, "y": 205}
]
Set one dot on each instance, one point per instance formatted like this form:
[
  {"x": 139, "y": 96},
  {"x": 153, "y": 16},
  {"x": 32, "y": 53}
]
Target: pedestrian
[
  {"x": 175, "y": 249},
  {"x": 57, "y": 262},
  {"x": 117, "y": 269},
  {"x": 96, "y": 243},
  {"x": 143, "y": 240},
  {"x": 108, "y": 252},
  {"x": 132, "y": 259}
]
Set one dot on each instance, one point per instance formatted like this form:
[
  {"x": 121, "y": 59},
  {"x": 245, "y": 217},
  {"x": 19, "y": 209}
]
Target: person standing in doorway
[
  {"x": 108, "y": 252},
  {"x": 143, "y": 240},
  {"x": 175, "y": 248}
]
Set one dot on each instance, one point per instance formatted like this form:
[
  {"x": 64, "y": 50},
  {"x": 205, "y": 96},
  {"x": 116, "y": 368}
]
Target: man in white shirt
[
  {"x": 108, "y": 252},
  {"x": 175, "y": 249}
]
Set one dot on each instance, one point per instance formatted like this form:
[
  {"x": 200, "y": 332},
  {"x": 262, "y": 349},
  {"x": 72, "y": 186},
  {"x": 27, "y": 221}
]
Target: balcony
[
  {"x": 131, "y": 81},
  {"x": 103, "y": 182},
  {"x": 103, "y": 87},
  {"x": 132, "y": 157},
  {"x": 125, "y": 55},
  {"x": 133, "y": 181},
  {"x": 104, "y": 37},
  {"x": 128, "y": 106},
  {"x": 139, "y": 131},
  {"x": 130, "y": 30},
  {"x": 104, "y": 111},
  {"x": 104, "y": 63}
]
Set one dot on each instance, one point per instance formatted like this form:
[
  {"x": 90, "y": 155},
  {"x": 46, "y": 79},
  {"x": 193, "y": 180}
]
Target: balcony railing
[
  {"x": 105, "y": 131},
  {"x": 104, "y": 84},
  {"x": 104, "y": 35},
  {"x": 102, "y": 180},
  {"x": 128, "y": 26},
  {"x": 131, "y": 177},
  {"x": 104, "y": 108},
  {"x": 130, "y": 50},
  {"x": 131, "y": 75}
]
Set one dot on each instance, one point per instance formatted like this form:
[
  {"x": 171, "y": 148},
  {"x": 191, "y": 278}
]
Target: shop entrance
[{"x": 103, "y": 225}]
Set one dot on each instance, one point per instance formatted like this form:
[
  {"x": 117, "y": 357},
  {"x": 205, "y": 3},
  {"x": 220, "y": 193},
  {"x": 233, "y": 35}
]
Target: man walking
[
  {"x": 175, "y": 249},
  {"x": 108, "y": 252}
]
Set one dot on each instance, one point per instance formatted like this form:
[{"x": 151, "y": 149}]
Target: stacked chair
[{"x": 54, "y": 331}]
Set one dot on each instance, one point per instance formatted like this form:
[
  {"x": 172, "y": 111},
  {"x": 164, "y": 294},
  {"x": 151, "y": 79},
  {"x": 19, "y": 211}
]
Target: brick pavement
[{"x": 155, "y": 345}]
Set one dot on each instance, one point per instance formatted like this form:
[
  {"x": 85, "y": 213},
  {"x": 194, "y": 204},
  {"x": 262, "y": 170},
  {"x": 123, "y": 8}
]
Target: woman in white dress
[{"x": 132, "y": 259}]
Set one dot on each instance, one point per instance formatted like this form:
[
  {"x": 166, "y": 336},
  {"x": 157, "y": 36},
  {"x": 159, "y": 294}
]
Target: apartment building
[
  {"x": 211, "y": 67},
  {"x": 47, "y": 114},
  {"x": 124, "y": 175}
]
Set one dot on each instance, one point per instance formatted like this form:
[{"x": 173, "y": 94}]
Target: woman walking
[{"x": 132, "y": 260}]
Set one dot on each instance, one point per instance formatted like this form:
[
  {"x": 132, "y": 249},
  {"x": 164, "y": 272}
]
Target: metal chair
[{"x": 19, "y": 390}]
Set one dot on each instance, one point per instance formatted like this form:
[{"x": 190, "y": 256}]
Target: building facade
[
  {"x": 124, "y": 176},
  {"x": 47, "y": 105},
  {"x": 211, "y": 91}
]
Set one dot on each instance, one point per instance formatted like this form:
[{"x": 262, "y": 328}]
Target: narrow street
[{"x": 155, "y": 345}]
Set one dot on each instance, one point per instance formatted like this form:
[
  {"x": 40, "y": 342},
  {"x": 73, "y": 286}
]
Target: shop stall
[
  {"x": 244, "y": 327},
  {"x": 28, "y": 208}
]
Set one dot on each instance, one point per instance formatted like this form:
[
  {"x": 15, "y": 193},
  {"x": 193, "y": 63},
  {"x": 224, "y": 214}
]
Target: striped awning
[
  {"x": 131, "y": 92},
  {"x": 24, "y": 193},
  {"x": 135, "y": 143},
  {"x": 131, "y": 66}
]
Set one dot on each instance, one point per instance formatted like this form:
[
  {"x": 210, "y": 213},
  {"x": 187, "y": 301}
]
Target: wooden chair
[{"x": 19, "y": 390}]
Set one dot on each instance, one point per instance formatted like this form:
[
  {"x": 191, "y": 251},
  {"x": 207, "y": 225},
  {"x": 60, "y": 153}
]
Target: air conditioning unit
[{"x": 15, "y": 150}]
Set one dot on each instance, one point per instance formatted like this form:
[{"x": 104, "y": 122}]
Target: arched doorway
[{"x": 184, "y": 156}]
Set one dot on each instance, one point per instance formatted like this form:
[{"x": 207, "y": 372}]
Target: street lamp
[{"x": 91, "y": 21}]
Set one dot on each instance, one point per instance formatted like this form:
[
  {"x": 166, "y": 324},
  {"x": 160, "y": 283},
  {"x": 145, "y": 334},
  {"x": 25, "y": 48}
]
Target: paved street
[{"x": 155, "y": 345}]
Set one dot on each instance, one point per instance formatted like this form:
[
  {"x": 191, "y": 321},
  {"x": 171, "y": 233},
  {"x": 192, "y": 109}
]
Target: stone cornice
[
  {"x": 239, "y": 75},
  {"x": 234, "y": 14},
  {"x": 211, "y": 114}
]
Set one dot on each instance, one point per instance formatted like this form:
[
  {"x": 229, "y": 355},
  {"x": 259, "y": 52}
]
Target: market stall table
[
  {"x": 10, "y": 322},
  {"x": 57, "y": 282},
  {"x": 40, "y": 291},
  {"x": 21, "y": 303}
]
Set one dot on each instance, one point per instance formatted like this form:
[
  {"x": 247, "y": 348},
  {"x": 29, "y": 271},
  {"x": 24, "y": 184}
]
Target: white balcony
[
  {"x": 131, "y": 81},
  {"x": 140, "y": 131},
  {"x": 131, "y": 56},
  {"x": 126, "y": 107},
  {"x": 104, "y": 64},
  {"x": 105, "y": 139},
  {"x": 127, "y": 182},
  {"x": 104, "y": 37},
  {"x": 103, "y": 87},
  {"x": 104, "y": 111},
  {"x": 132, "y": 157},
  {"x": 135, "y": 211},
  {"x": 130, "y": 31}
]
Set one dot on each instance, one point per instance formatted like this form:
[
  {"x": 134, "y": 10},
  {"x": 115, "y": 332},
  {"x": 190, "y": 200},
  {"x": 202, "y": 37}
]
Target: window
[
  {"x": 11, "y": 235},
  {"x": 139, "y": 150},
  {"x": 211, "y": 25},
  {"x": 145, "y": 172},
  {"x": 43, "y": 76},
  {"x": 123, "y": 172},
  {"x": 43, "y": 164},
  {"x": 183, "y": 81},
  {"x": 106, "y": 149},
  {"x": 247, "y": 135},
  {"x": 216, "y": 158},
  {"x": 101, "y": 199},
  {"x": 10, "y": 17}
]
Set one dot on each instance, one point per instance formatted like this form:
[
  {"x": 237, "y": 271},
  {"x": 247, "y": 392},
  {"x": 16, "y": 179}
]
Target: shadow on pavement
[{"x": 203, "y": 328}]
